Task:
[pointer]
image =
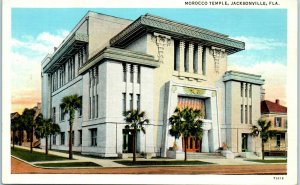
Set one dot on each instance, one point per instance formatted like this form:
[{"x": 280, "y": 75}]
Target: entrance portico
[{"x": 203, "y": 99}]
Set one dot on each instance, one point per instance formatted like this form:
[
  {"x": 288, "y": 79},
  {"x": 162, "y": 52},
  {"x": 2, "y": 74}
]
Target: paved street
[{"x": 21, "y": 167}]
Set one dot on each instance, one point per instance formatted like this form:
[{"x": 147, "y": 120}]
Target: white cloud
[
  {"x": 257, "y": 43},
  {"x": 275, "y": 78},
  {"x": 42, "y": 44}
]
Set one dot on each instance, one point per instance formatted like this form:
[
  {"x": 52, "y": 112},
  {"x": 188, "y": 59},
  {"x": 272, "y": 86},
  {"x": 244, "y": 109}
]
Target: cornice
[
  {"x": 243, "y": 77},
  {"x": 121, "y": 55},
  {"x": 177, "y": 30}
]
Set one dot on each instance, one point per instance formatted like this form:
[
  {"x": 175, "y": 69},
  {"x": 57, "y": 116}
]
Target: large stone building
[{"x": 152, "y": 64}]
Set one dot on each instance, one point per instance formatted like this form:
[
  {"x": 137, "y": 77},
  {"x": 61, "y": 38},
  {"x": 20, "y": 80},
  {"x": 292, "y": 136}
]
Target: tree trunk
[
  {"x": 31, "y": 140},
  {"x": 13, "y": 139},
  {"x": 263, "y": 150},
  {"x": 134, "y": 146},
  {"x": 50, "y": 142},
  {"x": 70, "y": 142},
  {"x": 46, "y": 145},
  {"x": 185, "y": 148}
]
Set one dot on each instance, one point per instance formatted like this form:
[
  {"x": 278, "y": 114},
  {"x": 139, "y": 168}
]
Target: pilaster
[
  {"x": 181, "y": 56},
  {"x": 199, "y": 59}
]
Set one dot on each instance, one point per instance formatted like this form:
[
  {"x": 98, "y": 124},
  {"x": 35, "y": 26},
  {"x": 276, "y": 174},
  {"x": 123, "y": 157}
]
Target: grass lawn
[
  {"x": 75, "y": 164},
  {"x": 34, "y": 156},
  {"x": 149, "y": 163},
  {"x": 268, "y": 161}
]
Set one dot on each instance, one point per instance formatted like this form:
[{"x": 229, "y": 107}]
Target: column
[
  {"x": 181, "y": 56},
  {"x": 205, "y": 147},
  {"x": 190, "y": 57},
  {"x": 199, "y": 59}
]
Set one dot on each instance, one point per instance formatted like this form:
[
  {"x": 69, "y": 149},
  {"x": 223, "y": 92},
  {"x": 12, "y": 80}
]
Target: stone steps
[{"x": 205, "y": 156}]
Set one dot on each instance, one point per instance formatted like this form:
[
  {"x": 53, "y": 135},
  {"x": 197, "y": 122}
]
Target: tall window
[
  {"x": 94, "y": 137},
  {"x": 250, "y": 114},
  {"x": 138, "y": 102},
  {"x": 250, "y": 90},
  {"x": 186, "y": 57},
  {"x": 246, "y": 114},
  {"x": 93, "y": 107},
  {"x": 131, "y": 73},
  {"x": 131, "y": 101},
  {"x": 124, "y": 101},
  {"x": 80, "y": 137},
  {"x": 80, "y": 108},
  {"x": 242, "y": 89},
  {"x": 277, "y": 122},
  {"x": 138, "y": 75},
  {"x": 54, "y": 115},
  {"x": 176, "y": 56},
  {"x": 246, "y": 90},
  {"x": 90, "y": 108},
  {"x": 278, "y": 137},
  {"x": 54, "y": 139},
  {"x": 124, "y": 72},
  {"x": 62, "y": 138},
  {"x": 62, "y": 114},
  {"x": 97, "y": 102},
  {"x": 204, "y": 61},
  {"x": 242, "y": 118}
]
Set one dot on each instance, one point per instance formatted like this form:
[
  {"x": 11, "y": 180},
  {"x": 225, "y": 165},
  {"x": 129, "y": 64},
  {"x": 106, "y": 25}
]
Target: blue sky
[{"x": 36, "y": 31}]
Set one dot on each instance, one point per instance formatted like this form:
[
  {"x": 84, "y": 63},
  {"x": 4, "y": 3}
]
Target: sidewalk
[{"x": 111, "y": 163}]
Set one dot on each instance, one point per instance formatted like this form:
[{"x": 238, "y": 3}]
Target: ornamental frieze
[{"x": 161, "y": 41}]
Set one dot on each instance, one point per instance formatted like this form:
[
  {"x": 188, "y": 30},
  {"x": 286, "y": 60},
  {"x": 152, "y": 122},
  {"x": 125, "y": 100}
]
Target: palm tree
[
  {"x": 28, "y": 119},
  {"x": 262, "y": 130},
  {"x": 69, "y": 105},
  {"x": 186, "y": 122},
  {"x": 15, "y": 122},
  {"x": 135, "y": 120},
  {"x": 45, "y": 128}
]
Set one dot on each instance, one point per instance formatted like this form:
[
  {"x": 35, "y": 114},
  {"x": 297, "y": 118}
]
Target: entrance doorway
[
  {"x": 127, "y": 142},
  {"x": 244, "y": 142},
  {"x": 193, "y": 145}
]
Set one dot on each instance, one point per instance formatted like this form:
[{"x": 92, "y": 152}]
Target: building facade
[
  {"x": 152, "y": 64},
  {"x": 277, "y": 115}
]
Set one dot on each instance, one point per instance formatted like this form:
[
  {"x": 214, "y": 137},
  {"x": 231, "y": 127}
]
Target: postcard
[{"x": 169, "y": 92}]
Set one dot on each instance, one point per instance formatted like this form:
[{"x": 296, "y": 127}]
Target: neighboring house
[
  {"x": 152, "y": 64},
  {"x": 26, "y": 137},
  {"x": 277, "y": 114}
]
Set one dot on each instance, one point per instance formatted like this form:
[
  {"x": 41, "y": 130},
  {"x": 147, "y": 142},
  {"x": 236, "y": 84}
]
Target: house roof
[
  {"x": 150, "y": 23},
  {"x": 267, "y": 106}
]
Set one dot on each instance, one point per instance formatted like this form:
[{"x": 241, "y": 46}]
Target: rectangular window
[
  {"x": 195, "y": 59},
  {"x": 62, "y": 114},
  {"x": 204, "y": 61},
  {"x": 131, "y": 73},
  {"x": 186, "y": 57},
  {"x": 242, "y": 89},
  {"x": 138, "y": 74},
  {"x": 80, "y": 137},
  {"x": 246, "y": 90},
  {"x": 80, "y": 108},
  {"x": 54, "y": 139},
  {"x": 138, "y": 102},
  {"x": 124, "y": 101},
  {"x": 277, "y": 122},
  {"x": 246, "y": 114},
  {"x": 250, "y": 114},
  {"x": 62, "y": 138},
  {"x": 94, "y": 137},
  {"x": 131, "y": 101},
  {"x": 124, "y": 72},
  {"x": 176, "y": 56},
  {"x": 90, "y": 108},
  {"x": 97, "y": 106},
  {"x": 278, "y": 137},
  {"x": 54, "y": 115},
  {"x": 242, "y": 112},
  {"x": 250, "y": 90}
]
